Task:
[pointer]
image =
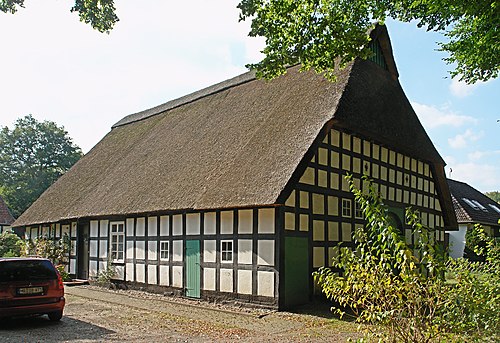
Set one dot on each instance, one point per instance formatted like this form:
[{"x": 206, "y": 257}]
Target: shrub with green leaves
[
  {"x": 402, "y": 291},
  {"x": 9, "y": 244}
]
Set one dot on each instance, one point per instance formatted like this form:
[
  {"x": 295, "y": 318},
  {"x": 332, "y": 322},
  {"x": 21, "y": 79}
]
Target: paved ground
[{"x": 98, "y": 315}]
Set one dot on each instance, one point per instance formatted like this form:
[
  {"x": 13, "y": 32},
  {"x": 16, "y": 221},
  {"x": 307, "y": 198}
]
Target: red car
[{"x": 30, "y": 286}]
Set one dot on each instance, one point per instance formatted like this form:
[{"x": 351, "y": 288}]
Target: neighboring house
[
  {"x": 6, "y": 218},
  {"x": 471, "y": 207},
  {"x": 238, "y": 191}
]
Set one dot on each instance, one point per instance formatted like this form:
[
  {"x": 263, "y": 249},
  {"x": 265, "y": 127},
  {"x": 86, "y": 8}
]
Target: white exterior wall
[
  {"x": 251, "y": 272},
  {"x": 457, "y": 241}
]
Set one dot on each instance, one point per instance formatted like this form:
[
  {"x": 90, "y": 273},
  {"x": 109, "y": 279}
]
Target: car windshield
[{"x": 22, "y": 270}]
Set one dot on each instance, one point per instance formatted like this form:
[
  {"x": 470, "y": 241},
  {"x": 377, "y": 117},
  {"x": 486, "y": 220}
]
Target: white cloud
[
  {"x": 462, "y": 140},
  {"x": 432, "y": 117},
  {"x": 481, "y": 176},
  {"x": 460, "y": 89},
  {"x": 477, "y": 155}
]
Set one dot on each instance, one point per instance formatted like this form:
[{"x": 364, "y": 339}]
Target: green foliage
[
  {"x": 100, "y": 14},
  {"x": 33, "y": 155},
  {"x": 402, "y": 291},
  {"x": 105, "y": 276},
  {"x": 61, "y": 268},
  {"x": 9, "y": 245},
  {"x": 494, "y": 195},
  {"x": 56, "y": 250},
  {"x": 325, "y": 34}
]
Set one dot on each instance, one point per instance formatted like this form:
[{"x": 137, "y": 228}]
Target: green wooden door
[
  {"x": 193, "y": 268},
  {"x": 297, "y": 275}
]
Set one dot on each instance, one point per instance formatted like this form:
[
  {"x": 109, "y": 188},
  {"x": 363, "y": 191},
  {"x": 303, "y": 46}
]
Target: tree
[
  {"x": 494, "y": 195},
  {"x": 315, "y": 32},
  {"x": 32, "y": 156},
  {"x": 100, "y": 14}
]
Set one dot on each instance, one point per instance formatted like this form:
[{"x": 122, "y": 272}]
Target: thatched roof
[
  {"x": 235, "y": 144},
  {"x": 6, "y": 217},
  {"x": 460, "y": 191}
]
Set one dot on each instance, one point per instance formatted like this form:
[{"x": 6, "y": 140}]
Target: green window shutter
[{"x": 378, "y": 56}]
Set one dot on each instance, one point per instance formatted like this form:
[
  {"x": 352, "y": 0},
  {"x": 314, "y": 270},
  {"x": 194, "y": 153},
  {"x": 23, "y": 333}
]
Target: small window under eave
[{"x": 378, "y": 56}]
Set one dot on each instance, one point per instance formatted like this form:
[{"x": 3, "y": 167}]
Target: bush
[
  {"x": 9, "y": 245},
  {"x": 56, "y": 250},
  {"x": 403, "y": 290}
]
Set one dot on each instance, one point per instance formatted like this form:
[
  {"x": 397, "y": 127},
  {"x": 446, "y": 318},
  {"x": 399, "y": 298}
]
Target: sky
[{"x": 57, "y": 68}]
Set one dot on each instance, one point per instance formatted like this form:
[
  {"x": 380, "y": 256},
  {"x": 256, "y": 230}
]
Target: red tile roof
[{"x": 6, "y": 217}]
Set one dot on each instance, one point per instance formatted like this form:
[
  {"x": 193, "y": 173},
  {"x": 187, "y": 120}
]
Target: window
[
  {"x": 226, "y": 251},
  {"x": 164, "y": 250},
  {"x": 495, "y": 207},
  {"x": 358, "y": 212},
  {"x": 346, "y": 208},
  {"x": 470, "y": 203},
  {"x": 117, "y": 241}
]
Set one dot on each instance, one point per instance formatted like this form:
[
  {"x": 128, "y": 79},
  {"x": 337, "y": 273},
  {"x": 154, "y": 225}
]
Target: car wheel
[{"x": 55, "y": 316}]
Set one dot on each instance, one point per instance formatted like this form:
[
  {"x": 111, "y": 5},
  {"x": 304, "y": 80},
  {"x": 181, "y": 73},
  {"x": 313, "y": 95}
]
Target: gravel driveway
[{"x": 94, "y": 314}]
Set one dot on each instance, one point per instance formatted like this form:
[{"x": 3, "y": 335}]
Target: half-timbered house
[
  {"x": 471, "y": 207},
  {"x": 238, "y": 190}
]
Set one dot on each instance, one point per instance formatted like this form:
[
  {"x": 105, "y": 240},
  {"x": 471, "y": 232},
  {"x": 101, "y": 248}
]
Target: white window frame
[
  {"x": 114, "y": 238},
  {"x": 162, "y": 250},
  {"x": 224, "y": 250},
  {"x": 347, "y": 208}
]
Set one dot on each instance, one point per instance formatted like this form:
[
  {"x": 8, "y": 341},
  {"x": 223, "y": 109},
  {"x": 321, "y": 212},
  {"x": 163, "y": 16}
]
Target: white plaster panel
[
  {"x": 140, "y": 229},
  {"x": 177, "y": 276},
  {"x": 164, "y": 226},
  {"x": 72, "y": 266},
  {"x": 245, "y": 251},
  {"x": 244, "y": 282},
  {"x": 130, "y": 249},
  {"x": 291, "y": 199},
  {"x": 265, "y": 252},
  {"x": 129, "y": 276},
  {"x": 226, "y": 222},
  {"x": 73, "y": 247},
  {"x": 245, "y": 221},
  {"x": 164, "y": 275},
  {"x": 103, "y": 249},
  {"x": 103, "y": 230},
  {"x": 266, "y": 220},
  {"x": 192, "y": 224},
  {"x": 177, "y": 252},
  {"x": 73, "y": 229},
  {"x": 93, "y": 228},
  {"x": 65, "y": 230},
  {"x": 177, "y": 225},
  {"x": 119, "y": 273},
  {"x": 209, "y": 279},
  {"x": 152, "y": 275},
  {"x": 209, "y": 251},
  {"x": 210, "y": 219},
  {"x": 102, "y": 266},
  {"x": 226, "y": 280},
  {"x": 93, "y": 249},
  {"x": 318, "y": 257},
  {"x": 140, "y": 248},
  {"x": 152, "y": 226},
  {"x": 265, "y": 284},
  {"x": 289, "y": 221},
  {"x": 152, "y": 250},
  {"x": 130, "y": 226},
  {"x": 93, "y": 268},
  {"x": 140, "y": 272}
]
